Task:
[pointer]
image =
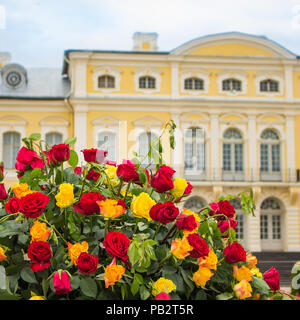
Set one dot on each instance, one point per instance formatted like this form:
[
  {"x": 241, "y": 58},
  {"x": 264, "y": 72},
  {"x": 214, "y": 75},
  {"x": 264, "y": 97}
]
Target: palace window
[
  {"x": 194, "y": 151},
  {"x": 194, "y": 204},
  {"x": 270, "y": 155},
  {"x": 145, "y": 141},
  {"x": 53, "y": 138},
  {"x": 107, "y": 141},
  {"x": 233, "y": 160},
  {"x": 147, "y": 82},
  {"x": 231, "y": 85},
  {"x": 193, "y": 84},
  {"x": 269, "y": 85},
  {"x": 11, "y": 146},
  {"x": 106, "y": 81}
]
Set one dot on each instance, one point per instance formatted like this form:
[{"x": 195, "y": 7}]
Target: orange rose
[
  {"x": 76, "y": 249},
  {"x": 180, "y": 248},
  {"x": 209, "y": 261},
  {"x": 201, "y": 276},
  {"x": 242, "y": 273},
  {"x": 39, "y": 231},
  {"x": 110, "y": 208},
  {"x": 243, "y": 289},
  {"x": 113, "y": 273},
  {"x": 2, "y": 255}
]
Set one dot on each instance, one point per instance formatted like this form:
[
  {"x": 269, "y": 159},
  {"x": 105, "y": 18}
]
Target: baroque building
[{"x": 234, "y": 97}]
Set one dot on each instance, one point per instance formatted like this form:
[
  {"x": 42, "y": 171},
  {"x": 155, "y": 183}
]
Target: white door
[{"x": 271, "y": 227}]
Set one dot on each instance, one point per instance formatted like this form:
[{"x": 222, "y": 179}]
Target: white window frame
[
  {"x": 233, "y": 74},
  {"x": 200, "y": 74},
  {"x": 107, "y": 71},
  {"x": 108, "y": 124},
  {"x": 264, "y": 75},
  {"x": 54, "y": 124},
  {"x": 11, "y": 124},
  {"x": 144, "y": 72}
]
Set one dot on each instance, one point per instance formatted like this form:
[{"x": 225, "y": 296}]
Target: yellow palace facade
[{"x": 234, "y": 97}]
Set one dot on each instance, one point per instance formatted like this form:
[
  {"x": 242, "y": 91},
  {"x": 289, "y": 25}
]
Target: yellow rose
[
  {"x": 21, "y": 190},
  {"x": 163, "y": 285},
  {"x": 243, "y": 289},
  {"x": 76, "y": 249},
  {"x": 111, "y": 173},
  {"x": 39, "y": 231},
  {"x": 256, "y": 272},
  {"x": 2, "y": 255},
  {"x": 113, "y": 273},
  {"x": 242, "y": 273},
  {"x": 180, "y": 248},
  {"x": 141, "y": 206},
  {"x": 251, "y": 260},
  {"x": 37, "y": 298},
  {"x": 201, "y": 276},
  {"x": 65, "y": 197},
  {"x": 110, "y": 208},
  {"x": 210, "y": 261},
  {"x": 180, "y": 185}
]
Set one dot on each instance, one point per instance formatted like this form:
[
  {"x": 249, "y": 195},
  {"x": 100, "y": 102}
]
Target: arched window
[
  {"x": 231, "y": 85},
  {"x": 147, "y": 82},
  {"x": 11, "y": 146},
  {"x": 269, "y": 85},
  {"x": 241, "y": 220},
  {"x": 107, "y": 141},
  {"x": 145, "y": 140},
  {"x": 194, "y": 152},
  {"x": 233, "y": 160},
  {"x": 194, "y": 204},
  {"x": 270, "y": 155},
  {"x": 106, "y": 82},
  {"x": 53, "y": 138},
  {"x": 271, "y": 225},
  {"x": 193, "y": 84}
]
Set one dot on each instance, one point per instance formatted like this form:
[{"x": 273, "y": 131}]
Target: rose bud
[
  {"x": 78, "y": 170},
  {"x": 272, "y": 279},
  {"x": 162, "y": 296},
  {"x": 223, "y": 225},
  {"x": 162, "y": 180},
  {"x": 3, "y": 193},
  {"x": 93, "y": 175},
  {"x": 128, "y": 171},
  {"x": 60, "y": 152},
  {"x": 222, "y": 207},
  {"x": 61, "y": 282},
  {"x": 188, "y": 189},
  {"x": 94, "y": 155}
]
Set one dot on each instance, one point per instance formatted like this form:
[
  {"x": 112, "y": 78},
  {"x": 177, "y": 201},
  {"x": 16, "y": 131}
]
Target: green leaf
[
  {"x": 88, "y": 287},
  {"x": 260, "y": 285},
  {"x": 75, "y": 282},
  {"x": 200, "y": 295},
  {"x": 145, "y": 294},
  {"x": 137, "y": 280},
  {"x": 2, "y": 278},
  {"x": 4, "y": 295},
  {"x": 224, "y": 296},
  {"x": 35, "y": 136},
  {"x": 28, "y": 275},
  {"x": 36, "y": 173},
  {"x": 73, "y": 161},
  {"x": 70, "y": 141}
]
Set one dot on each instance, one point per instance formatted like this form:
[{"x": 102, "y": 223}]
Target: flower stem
[
  {"x": 62, "y": 172},
  {"x": 156, "y": 231},
  {"x": 53, "y": 227},
  {"x": 107, "y": 222},
  {"x": 165, "y": 258},
  {"x": 91, "y": 225},
  {"x": 168, "y": 233}
]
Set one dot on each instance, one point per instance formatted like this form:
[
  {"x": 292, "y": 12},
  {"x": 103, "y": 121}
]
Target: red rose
[
  {"x": 50, "y": 159},
  {"x": 61, "y": 282},
  {"x": 1, "y": 171},
  {"x": 188, "y": 189},
  {"x": 12, "y": 205},
  {"x": 39, "y": 252},
  {"x": 162, "y": 179},
  {"x": 272, "y": 279},
  {"x": 3, "y": 193},
  {"x": 78, "y": 170},
  {"x": 186, "y": 222},
  {"x": 200, "y": 247},
  {"x": 60, "y": 152},
  {"x": 28, "y": 157},
  {"x": 93, "y": 175},
  {"x": 162, "y": 296},
  {"x": 222, "y": 207},
  {"x": 110, "y": 162},
  {"x": 33, "y": 204},
  {"x": 223, "y": 225},
  {"x": 234, "y": 253},
  {"x": 128, "y": 171},
  {"x": 87, "y": 204},
  {"x": 116, "y": 244},
  {"x": 94, "y": 155},
  {"x": 87, "y": 263},
  {"x": 164, "y": 212}
]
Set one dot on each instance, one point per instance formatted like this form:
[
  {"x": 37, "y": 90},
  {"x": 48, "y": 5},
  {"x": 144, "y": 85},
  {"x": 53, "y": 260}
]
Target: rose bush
[{"x": 102, "y": 230}]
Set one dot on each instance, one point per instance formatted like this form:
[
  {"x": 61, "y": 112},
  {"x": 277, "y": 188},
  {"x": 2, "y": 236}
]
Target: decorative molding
[
  {"x": 109, "y": 71},
  {"x": 151, "y": 72},
  {"x": 232, "y": 74},
  {"x": 194, "y": 73},
  {"x": 274, "y": 75}
]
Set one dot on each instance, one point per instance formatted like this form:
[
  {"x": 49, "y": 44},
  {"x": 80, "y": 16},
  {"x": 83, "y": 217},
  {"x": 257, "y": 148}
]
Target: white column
[
  {"x": 123, "y": 139},
  {"x": 80, "y": 129},
  {"x": 174, "y": 80},
  {"x": 290, "y": 148},
  {"x": 214, "y": 143},
  {"x": 288, "y": 72},
  {"x": 178, "y": 152},
  {"x": 253, "y": 174},
  {"x": 253, "y": 232},
  {"x": 80, "y": 78},
  {"x": 292, "y": 241}
]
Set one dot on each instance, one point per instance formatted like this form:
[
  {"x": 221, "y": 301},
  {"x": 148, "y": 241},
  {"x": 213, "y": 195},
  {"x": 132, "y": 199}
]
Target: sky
[{"x": 36, "y": 32}]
